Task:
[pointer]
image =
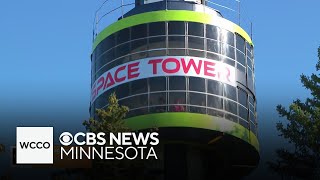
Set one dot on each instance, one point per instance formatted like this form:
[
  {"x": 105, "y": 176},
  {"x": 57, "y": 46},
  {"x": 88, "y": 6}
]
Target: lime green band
[
  {"x": 193, "y": 120},
  {"x": 170, "y": 15}
]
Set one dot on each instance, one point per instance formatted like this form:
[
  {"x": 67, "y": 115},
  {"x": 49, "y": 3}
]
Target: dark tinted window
[
  {"x": 242, "y": 96},
  {"x": 240, "y": 43},
  {"x": 122, "y": 90},
  {"x": 157, "y": 28},
  {"x": 176, "y": 41},
  {"x": 197, "y": 99},
  {"x": 241, "y": 58},
  {"x": 227, "y": 50},
  {"x": 156, "y": 53},
  {"x": 176, "y": 27},
  {"x": 227, "y": 37},
  {"x": 157, "y": 84},
  {"x": 213, "y": 46},
  {"x": 199, "y": 110},
  {"x": 230, "y": 92},
  {"x": 213, "y": 56},
  {"x": 230, "y": 106},
  {"x": 215, "y": 102},
  {"x": 212, "y": 32},
  {"x": 213, "y": 112},
  {"x": 195, "y": 29},
  {"x": 122, "y": 50},
  {"x": 157, "y": 99},
  {"x": 157, "y": 42},
  {"x": 243, "y": 112},
  {"x": 139, "y": 86},
  {"x": 109, "y": 42},
  {"x": 197, "y": 84},
  {"x": 177, "y": 97},
  {"x": 139, "y": 45},
  {"x": 228, "y": 61},
  {"x": 139, "y": 31},
  {"x": 177, "y": 52},
  {"x": 196, "y": 43},
  {"x": 123, "y": 36},
  {"x": 196, "y": 53},
  {"x": 135, "y": 101},
  {"x": 177, "y": 83},
  {"x": 215, "y": 87}
]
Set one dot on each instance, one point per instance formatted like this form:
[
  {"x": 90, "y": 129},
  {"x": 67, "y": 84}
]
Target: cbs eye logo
[{"x": 66, "y": 138}]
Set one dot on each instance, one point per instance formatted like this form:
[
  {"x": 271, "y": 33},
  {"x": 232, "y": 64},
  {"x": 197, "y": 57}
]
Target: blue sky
[{"x": 45, "y": 51}]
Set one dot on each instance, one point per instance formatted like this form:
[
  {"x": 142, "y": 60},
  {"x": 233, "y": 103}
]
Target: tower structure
[{"x": 182, "y": 67}]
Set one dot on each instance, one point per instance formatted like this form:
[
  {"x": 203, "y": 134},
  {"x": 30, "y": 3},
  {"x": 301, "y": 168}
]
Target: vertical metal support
[
  {"x": 166, "y": 4},
  {"x": 122, "y": 9}
]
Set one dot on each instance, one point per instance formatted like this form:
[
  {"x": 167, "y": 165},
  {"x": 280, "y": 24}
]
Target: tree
[
  {"x": 302, "y": 130},
  {"x": 109, "y": 119}
]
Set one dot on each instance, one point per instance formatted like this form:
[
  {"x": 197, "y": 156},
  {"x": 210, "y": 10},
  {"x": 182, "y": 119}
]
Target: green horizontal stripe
[
  {"x": 170, "y": 15},
  {"x": 202, "y": 121}
]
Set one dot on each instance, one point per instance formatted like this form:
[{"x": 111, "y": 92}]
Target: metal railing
[{"x": 111, "y": 11}]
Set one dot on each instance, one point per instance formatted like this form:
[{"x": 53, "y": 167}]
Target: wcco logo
[{"x": 34, "y": 145}]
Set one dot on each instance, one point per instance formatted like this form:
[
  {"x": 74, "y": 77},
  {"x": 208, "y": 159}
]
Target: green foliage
[
  {"x": 303, "y": 131},
  {"x": 109, "y": 119}
]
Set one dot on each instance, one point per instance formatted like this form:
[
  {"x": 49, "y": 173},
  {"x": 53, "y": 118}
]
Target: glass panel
[
  {"x": 156, "y": 53},
  {"x": 122, "y": 90},
  {"x": 244, "y": 123},
  {"x": 213, "y": 46},
  {"x": 242, "y": 96},
  {"x": 230, "y": 92},
  {"x": 109, "y": 42},
  {"x": 139, "y": 45},
  {"x": 197, "y": 99},
  {"x": 227, "y": 37},
  {"x": 157, "y": 84},
  {"x": 176, "y": 27},
  {"x": 196, "y": 53},
  {"x": 212, "y": 32},
  {"x": 213, "y": 112},
  {"x": 157, "y": 42},
  {"x": 230, "y": 106},
  {"x": 215, "y": 102},
  {"x": 177, "y": 98},
  {"x": 197, "y": 84},
  {"x": 122, "y": 50},
  {"x": 158, "y": 99},
  {"x": 138, "y": 31},
  {"x": 157, "y": 28},
  {"x": 176, "y": 42},
  {"x": 158, "y": 109},
  {"x": 240, "y": 43},
  {"x": 135, "y": 101},
  {"x": 195, "y": 29},
  {"x": 228, "y": 61},
  {"x": 243, "y": 112},
  {"x": 213, "y": 56},
  {"x": 137, "y": 112},
  {"x": 249, "y": 63},
  {"x": 252, "y": 117},
  {"x": 123, "y": 36},
  {"x": 176, "y": 52},
  {"x": 196, "y": 43},
  {"x": 177, "y": 83},
  {"x": 227, "y": 51},
  {"x": 139, "y": 86},
  {"x": 232, "y": 117},
  {"x": 241, "y": 58},
  {"x": 215, "y": 87},
  {"x": 199, "y": 110}
]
